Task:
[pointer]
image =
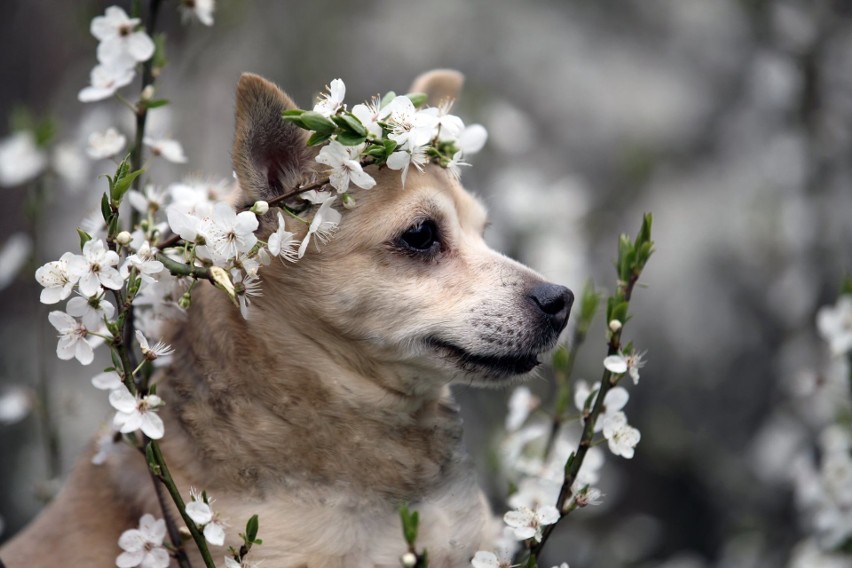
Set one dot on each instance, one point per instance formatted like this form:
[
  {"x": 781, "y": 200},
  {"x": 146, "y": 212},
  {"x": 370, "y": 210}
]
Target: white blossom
[
  {"x": 200, "y": 9},
  {"x": 108, "y": 380},
  {"x": 166, "y": 148},
  {"x": 369, "y": 115},
  {"x": 472, "y": 139},
  {"x": 625, "y": 363},
  {"x": 621, "y": 437},
  {"x": 57, "y": 278},
  {"x": 105, "y": 81},
  {"x": 92, "y": 311},
  {"x": 528, "y": 523},
  {"x": 160, "y": 349},
  {"x": 203, "y": 515},
  {"x": 74, "y": 341},
  {"x": 281, "y": 242},
  {"x": 404, "y": 158},
  {"x": 96, "y": 268},
  {"x": 136, "y": 414},
  {"x": 227, "y": 233},
  {"x": 144, "y": 546},
  {"x": 121, "y": 43},
  {"x": 614, "y": 400},
  {"x": 835, "y": 324},
  {"x": 150, "y": 199},
  {"x": 323, "y": 225},
  {"x": 331, "y": 102},
  {"x": 144, "y": 260},
  {"x": 20, "y": 159},
  {"x": 344, "y": 166},
  {"x": 246, "y": 286},
  {"x": 105, "y": 144}
]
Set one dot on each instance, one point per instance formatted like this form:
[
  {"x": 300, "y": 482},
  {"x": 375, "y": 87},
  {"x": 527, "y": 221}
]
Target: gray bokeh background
[{"x": 728, "y": 119}]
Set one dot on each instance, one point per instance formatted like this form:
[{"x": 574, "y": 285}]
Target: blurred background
[{"x": 728, "y": 119}]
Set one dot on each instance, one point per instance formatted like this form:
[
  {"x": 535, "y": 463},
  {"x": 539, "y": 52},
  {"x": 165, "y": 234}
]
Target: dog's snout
[{"x": 555, "y": 301}]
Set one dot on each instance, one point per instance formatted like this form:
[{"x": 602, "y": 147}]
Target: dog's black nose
[{"x": 555, "y": 301}]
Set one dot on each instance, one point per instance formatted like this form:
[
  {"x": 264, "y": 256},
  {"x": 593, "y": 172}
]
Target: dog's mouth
[{"x": 490, "y": 365}]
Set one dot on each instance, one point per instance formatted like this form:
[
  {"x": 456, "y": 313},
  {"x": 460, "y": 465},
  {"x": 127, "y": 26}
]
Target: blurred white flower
[
  {"x": 136, "y": 414},
  {"x": 144, "y": 546},
  {"x": 20, "y": 159},
  {"x": 528, "y": 523},
  {"x": 108, "y": 380},
  {"x": 344, "y": 166},
  {"x": 622, "y": 438},
  {"x": 521, "y": 403},
  {"x": 13, "y": 256},
  {"x": 835, "y": 324},
  {"x": 15, "y": 404},
  {"x": 152, "y": 198},
  {"x": 69, "y": 162},
  {"x": 121, "y": 43},
  {"x": 330, "y": 102},
  {"x": 323, "y": 225},
  {"x": 472, "y": 139},
  {"x": 105, "y": 81},
  {"x": 166, "y": 148},
  {"x": 105, "y": 144},
  {"x": 485, "y": 559},
  {"x": 200, "y": 9}
]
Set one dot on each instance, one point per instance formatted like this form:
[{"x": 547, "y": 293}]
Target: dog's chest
[{"x": 323, "y": 527}]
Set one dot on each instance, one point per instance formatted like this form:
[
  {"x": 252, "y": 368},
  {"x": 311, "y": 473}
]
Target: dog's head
[{"x": 407, "y": 283}]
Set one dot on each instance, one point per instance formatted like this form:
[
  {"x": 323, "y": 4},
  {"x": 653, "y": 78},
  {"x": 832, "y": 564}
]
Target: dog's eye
[{"x": 421, "y": 237}]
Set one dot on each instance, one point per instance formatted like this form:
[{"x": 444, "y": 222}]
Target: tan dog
[{"x": 329, "y": 406}]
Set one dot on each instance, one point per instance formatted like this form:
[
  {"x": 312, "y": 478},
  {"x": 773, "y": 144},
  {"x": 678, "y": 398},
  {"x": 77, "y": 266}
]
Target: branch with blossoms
[{"x": 558, "y": 474}]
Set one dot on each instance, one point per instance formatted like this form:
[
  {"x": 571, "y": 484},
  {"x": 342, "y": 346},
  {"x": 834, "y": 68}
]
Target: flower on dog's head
[
  {"x": 323, "y": 225},
  {"x": 344, "y": 166},
  {"x": 332, "y": 101}
]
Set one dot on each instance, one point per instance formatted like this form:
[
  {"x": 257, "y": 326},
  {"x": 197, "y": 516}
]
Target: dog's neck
[{"x": 257, "y": 416}]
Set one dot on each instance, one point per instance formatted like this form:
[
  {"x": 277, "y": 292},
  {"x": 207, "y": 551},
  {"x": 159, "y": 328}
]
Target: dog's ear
[
  {"x": 269, "y": 155},
  {"x": 439, "y": 85}
]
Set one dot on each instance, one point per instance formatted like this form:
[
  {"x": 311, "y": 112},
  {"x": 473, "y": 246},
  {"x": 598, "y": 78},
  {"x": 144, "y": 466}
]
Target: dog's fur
[{"x": 328, "y": 406}]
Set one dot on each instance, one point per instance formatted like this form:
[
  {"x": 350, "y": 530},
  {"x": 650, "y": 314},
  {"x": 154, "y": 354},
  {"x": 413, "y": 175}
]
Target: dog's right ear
[{"x": 270, "y": 155}]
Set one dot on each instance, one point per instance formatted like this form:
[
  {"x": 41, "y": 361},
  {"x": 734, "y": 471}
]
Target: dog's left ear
[
  {"x": 269, "y": 154},
  {"x": 439, "y": 85}
]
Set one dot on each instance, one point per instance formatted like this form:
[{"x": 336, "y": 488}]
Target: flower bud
[
  {"x": 185, "y": 301},
  {"x": 408, "y": 560},
  {"x": 123, "y": 238},
  {"x": 260, "y": 207},
  {"x": 147, "y": 93},
  {"x": 614, "y": 325},
  {"x": 348, "y": 201}
]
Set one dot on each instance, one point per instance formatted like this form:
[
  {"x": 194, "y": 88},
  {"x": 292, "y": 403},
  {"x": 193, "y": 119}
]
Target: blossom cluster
[{"x": 823, "y": 486}]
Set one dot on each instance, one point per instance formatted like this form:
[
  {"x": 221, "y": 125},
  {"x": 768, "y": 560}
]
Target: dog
[{"x": 328, "y": 406}]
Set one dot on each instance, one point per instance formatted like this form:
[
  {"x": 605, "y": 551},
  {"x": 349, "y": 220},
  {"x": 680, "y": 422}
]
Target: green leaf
[
  {"x": 155, "y": 103},
  {"x": 350, "y": 139},
  {"x": 318, "y": 138},
  {"x": 389, "y": 96},
  {"x": 122, "y": 184},
  {"x": 560, "y": 359},
  {"x": 106, "y": 211},
  {"x": 418, "y": 99},
  {"x": 410, "y": 521},
  {"x": 644, "y": 235},
  {"x": 317, "y": 122},
  {"x": 251, "y": 529},
  {"x": 349, "y": 122},
  {"x": 84, "y": 237}
]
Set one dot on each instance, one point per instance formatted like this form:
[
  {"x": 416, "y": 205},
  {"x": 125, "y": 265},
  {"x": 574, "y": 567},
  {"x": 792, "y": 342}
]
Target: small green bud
[{"x": 348, "y": 201}]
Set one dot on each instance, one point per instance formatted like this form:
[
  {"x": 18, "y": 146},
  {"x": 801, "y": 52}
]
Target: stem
[
  {"x": 174, "y": 534},
  {"x": 573, "y": 468},
  {"x": 166, "y": 479},
  {"x": 181, "y": 269}
]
